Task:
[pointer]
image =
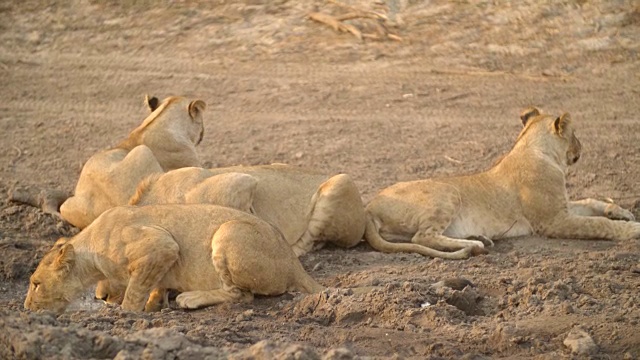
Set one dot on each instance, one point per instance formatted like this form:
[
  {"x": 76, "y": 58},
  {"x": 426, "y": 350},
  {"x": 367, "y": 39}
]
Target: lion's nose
[{"x": 103, "y": 298}]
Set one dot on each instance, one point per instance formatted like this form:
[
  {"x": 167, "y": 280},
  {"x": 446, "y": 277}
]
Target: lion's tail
[
  {"x": 305, "y": 283},
  {"x": 376, "y": 241}
]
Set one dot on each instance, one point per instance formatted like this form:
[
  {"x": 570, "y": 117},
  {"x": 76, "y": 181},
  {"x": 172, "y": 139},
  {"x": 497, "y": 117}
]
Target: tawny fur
[
  {"x": 306, "y": 207},
  {"x": 166, "y": 140},
  {"x": 210, "y": 254},
  {"x": 524, "y": 193}
]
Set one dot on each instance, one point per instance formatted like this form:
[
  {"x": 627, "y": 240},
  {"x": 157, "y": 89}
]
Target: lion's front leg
[
  {"x": 570, "y": 226},
  {"x": 158, "y": 299},
  {"x": 593, "y": 207},
  {"x": 152, "y": 252}
]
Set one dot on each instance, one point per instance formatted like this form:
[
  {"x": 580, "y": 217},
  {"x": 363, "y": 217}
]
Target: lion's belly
[
  {"x": 464, "y": 226},
  {"x": 190, "y": 277}
]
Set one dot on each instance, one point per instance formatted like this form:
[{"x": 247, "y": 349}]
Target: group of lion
[{"x": 153, "y": 220}]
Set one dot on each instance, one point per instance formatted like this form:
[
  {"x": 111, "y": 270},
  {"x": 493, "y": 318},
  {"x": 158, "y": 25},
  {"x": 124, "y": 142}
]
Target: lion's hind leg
[
  {"x": 336, "y": 214},
  {"x": 250, "y": 258},
  {"x": 424, "y": 219},
  {"x": 373, "y": 237},
  {"x": 229, "y": 291},
  {"x": 201, "y": 298},
  {"x": 234, "y": 190}
]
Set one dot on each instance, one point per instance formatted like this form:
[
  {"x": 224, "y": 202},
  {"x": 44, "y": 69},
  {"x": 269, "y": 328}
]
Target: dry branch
[{"x": 336, "y": 22}]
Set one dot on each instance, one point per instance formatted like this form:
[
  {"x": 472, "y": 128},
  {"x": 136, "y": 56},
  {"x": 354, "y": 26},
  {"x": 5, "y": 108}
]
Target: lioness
[
  {"x": 211, "y": 254},
  {"x": 522, "y": 194},
  {"x": 165, "y": 140},
  {"x": 305, "y": 206}
]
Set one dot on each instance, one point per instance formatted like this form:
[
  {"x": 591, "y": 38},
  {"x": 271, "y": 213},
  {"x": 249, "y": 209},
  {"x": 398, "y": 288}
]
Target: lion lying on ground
[
  {"x": 165, "y": 140},
  {"x": 306, "y": 207},
  {"x": 211, "y": 254},
  {"x": 523, "y": 194}
]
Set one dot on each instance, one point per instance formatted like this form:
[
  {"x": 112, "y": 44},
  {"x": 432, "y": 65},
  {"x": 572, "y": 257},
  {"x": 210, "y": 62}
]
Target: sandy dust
[{"x": 282, "y": 88}]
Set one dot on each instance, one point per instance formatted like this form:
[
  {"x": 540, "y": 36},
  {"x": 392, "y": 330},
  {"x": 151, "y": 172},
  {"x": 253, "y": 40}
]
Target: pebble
[
  {"x": 567, "y": 308},
  {"x": 580, "y": 342}
]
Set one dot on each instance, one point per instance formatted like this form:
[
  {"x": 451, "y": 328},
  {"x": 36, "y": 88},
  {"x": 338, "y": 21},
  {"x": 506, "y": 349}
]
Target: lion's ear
[
  {"x": 528, "y": 113},
  {"x": 66, "y": 258},
  {"x": 561, "y": 123},
  {"x": 196, "y": 107},
  {"x": 61, "y": 241},
  {"x": 152, "y": 103}
]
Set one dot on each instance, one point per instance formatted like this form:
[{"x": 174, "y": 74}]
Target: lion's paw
[
  {"x": 486, "y": 242},
  {"x": 615, "y": 212},
  {"x": 192, "y": 299},
  {"x": 634, "y": 232}
]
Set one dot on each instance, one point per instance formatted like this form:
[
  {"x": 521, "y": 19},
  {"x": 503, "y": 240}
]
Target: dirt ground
[{"x": 282, "y": 88}]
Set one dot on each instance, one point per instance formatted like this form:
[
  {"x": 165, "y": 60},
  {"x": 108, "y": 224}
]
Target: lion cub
[
  {"x": 524, "y": 193},
  {"x": 211, "y": 254}
]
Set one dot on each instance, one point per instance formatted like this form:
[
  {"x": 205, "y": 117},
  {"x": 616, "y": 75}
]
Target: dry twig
[
  {"x": 17, "y": 157},
  {"x": 336, "y": 22}
]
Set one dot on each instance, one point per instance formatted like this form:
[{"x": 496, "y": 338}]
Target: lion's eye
[{"x": 35, "y": 286}]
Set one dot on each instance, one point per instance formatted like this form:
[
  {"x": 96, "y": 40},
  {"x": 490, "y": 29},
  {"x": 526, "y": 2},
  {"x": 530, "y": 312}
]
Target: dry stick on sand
[
  {"x": 479, "y": 72},
  {"x": 336, "y": 22},
  {"x": 17, "y": 157}
]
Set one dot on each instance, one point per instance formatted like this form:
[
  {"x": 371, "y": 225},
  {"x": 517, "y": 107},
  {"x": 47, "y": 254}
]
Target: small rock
[
  {"x": 299, "y": 155},
  {"x": 125, "y": 355},
  {"x": 34, "y": 37},
  {"x": 580, "y": 342},
  {"x": 338, "y": 354},
  {"x": 454, "y": 283},
  {"x": 141, "y": 324}
]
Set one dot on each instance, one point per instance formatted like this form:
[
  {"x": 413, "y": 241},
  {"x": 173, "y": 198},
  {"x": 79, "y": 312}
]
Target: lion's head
[
  {"x": 172, "y": 130},
  {"x": 55, "y": 283},
  {"x": 556, "y": 135}
]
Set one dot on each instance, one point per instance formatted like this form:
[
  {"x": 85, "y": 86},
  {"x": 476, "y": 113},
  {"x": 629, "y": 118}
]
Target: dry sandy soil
[{"x": 282, "y": 88}]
